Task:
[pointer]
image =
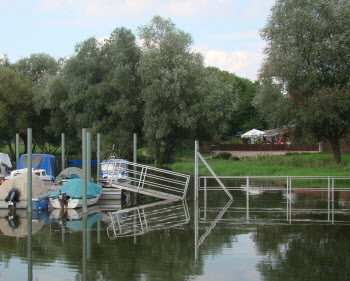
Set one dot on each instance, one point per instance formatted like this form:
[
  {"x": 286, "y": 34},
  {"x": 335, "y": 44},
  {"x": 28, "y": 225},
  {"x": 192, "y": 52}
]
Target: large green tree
[
  {"x": 36, "y": 67},
  {"x": 181, "y": 98},
  {"x": 98, "y": 88},
  {"x": 305, "y": 76},
  {"x": 15, "y": 105},
  {"x": 245, "y": 115}
]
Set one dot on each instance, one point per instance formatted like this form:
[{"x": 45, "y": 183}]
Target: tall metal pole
[
  {"x": 134, "y": 194},
  {"x": 29, "y": 247},
  {"x": 135, "y": 149},
  {"x": 63, "y": 153},
  {"x": 196, "y": 170},
  {"x": 88, "y": 151},
  {"x": 17, "y": 148},
  {"x": 84, "y": 166},
  {"x": 29, "y": 170},
  {"x": 98, "y": 155}
]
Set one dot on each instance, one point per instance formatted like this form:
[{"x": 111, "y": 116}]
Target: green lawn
[{"x": 307, "y": 164}]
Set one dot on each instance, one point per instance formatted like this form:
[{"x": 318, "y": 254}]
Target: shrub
[
  {"x": 223, "y": 155},
  {"x": 235, "y": 158}
]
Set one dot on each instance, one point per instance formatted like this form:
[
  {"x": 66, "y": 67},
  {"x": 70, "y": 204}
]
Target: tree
[
  {"x": 181, "y": 98},
  {"x": 35, "y": 67},
  {"x": 245, "y": 115},
  {"x": 15, "y": 105},
  {"x": 98, "y": 88},
  {"x": 308, "y": 63}
]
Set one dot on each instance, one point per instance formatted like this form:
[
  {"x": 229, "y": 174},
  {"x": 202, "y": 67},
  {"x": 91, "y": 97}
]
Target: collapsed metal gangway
[{"x": 150, "y": 181}]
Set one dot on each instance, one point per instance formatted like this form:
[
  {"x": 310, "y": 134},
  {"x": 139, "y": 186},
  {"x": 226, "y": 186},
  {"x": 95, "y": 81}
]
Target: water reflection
[{"x": 145, "y": 218}]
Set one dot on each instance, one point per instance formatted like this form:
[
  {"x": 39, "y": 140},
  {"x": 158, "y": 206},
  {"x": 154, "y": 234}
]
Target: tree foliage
[
  {"x": 308, "y": 59},
  {"x": 181, "y": 98},
  {"x": 15, "y": 104}
]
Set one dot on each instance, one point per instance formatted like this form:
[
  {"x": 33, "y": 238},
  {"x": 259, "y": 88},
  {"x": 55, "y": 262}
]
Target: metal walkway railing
[{"x": 152, "y": 181}]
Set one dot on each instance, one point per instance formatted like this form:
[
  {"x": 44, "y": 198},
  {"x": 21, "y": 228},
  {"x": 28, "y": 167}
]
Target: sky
[{"x": 226, "y": 32}]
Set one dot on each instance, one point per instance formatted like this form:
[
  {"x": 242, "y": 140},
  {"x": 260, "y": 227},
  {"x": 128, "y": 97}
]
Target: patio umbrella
[{"x": 253, "y": 133}]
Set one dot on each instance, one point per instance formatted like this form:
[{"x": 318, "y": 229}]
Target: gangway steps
[{"x": 154, "y": 193}]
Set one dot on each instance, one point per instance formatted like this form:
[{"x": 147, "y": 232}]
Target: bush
[
  {"x": 235, "y": 158},
  {"x": 222, "y": 155}
]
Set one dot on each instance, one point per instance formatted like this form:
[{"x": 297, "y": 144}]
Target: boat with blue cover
[
  {"x": 43, "y": 165},
  {"x": 70, "y": 195}
]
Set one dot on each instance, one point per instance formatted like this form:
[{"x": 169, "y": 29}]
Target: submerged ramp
[{"x": 152, "y": 181}]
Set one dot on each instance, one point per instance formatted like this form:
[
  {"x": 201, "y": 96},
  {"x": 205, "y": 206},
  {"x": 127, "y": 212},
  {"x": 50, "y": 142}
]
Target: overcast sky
[{"x": 226, "y": 32}]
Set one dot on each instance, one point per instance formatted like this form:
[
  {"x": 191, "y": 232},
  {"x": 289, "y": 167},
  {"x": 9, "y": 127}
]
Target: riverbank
[{"x": 298, "y": 164}]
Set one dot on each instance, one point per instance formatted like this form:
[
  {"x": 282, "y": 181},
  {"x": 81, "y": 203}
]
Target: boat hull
[
  {"x": 72, "y": 203},
  {"x": 37, "y": 204}
]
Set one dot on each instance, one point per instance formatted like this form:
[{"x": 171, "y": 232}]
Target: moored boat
[
  {"x": 70, "y": 195},
  {"x": 113, "y": 170},
  {"x": 13, "y": 193},
  {"x": 43, "y": 165}
]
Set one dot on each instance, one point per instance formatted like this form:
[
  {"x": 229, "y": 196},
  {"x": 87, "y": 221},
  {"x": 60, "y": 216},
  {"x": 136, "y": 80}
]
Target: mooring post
[
  {"x": 17, "y": 148},
  {"x": 196, "y": 170},
  {"x": 134, "y": 194},
  {"x": 29, "y": 170},
  {"x": 98, "y": 155},
  {"x": 88, "y": 159},
  {"x": 29, "y": 246},
  {"x": 84, "y": 166},
  {"x": 63, "y": 152}
]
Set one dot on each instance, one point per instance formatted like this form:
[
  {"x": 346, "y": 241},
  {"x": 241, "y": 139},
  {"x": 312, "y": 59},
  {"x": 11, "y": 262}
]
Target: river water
[{"x": 263, "y": 236}]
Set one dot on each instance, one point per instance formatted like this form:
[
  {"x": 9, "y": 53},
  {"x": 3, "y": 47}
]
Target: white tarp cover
[
  {"x": 253, "y": 133},
  {"x": 5, "y": 159}
]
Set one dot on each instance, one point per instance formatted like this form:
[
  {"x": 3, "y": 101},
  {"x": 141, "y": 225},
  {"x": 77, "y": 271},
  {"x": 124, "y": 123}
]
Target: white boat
[
  {"x": 47, "y": 179},
  {"x": 70, "y": 195},
  {"x": 43, "y": 165},
  {"x": 113, "y": 170}
]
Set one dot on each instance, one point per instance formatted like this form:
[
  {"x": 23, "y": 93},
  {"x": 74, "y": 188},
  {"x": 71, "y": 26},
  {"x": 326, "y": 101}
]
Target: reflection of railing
[
  {"x": 155, "y": 216},
  {"x": 253, "y": 184},
  {"x": 153, "y": 181},
  {"x": 274, "y": 212}
]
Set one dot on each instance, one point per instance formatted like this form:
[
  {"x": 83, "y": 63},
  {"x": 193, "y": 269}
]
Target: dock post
[
  {"x": 134, "y": 194},
  {"x": 98, "y": 154},
  {"x": 196, "y": 170},
  {"x": 29, "y": 246},
  {"x": 29, "y": 170},
  {"x": 63, "y": 152},
  {"x": 84, "y": 166},
  {"x": 17, "y": 148},
  {"x": 88, "y": 158}
]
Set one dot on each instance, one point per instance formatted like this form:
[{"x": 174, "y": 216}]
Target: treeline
[{"x": 158, "y": 88}]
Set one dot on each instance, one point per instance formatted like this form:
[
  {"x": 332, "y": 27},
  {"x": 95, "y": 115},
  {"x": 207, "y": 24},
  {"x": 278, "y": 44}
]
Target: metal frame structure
[{"x": 153, "y": 181}]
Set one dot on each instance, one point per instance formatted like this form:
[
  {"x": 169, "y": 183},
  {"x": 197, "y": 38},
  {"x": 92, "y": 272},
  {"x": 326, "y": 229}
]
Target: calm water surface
[{"x": 268, "y": 237}]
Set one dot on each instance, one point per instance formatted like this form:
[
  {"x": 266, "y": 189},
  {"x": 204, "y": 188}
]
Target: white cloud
[
  {"x": 117, "y": 8},
  {"x": 244, "y": 64}
]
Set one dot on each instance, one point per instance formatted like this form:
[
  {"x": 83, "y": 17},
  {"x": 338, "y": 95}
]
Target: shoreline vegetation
[{"x": 293, "y": 164}]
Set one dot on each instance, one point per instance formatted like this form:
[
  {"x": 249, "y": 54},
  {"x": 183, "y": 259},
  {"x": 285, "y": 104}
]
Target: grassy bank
[{"x": 307, "y": 164}]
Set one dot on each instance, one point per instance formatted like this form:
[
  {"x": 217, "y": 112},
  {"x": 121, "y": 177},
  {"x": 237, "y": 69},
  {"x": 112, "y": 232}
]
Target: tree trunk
[
  {"x": 24, "y": 139},
  {"x": 335, "y": 144}
]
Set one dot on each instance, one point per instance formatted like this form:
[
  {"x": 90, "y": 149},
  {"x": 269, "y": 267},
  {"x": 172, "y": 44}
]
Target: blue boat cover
[
  {"x": 39, "y": 161},
  {"x": 74, "y": 188}
]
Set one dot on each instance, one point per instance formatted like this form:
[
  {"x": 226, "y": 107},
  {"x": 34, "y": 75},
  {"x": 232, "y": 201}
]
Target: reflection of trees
[
  {"x": 157, "y": 255},
  {"x": 304, "y": 252}
]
